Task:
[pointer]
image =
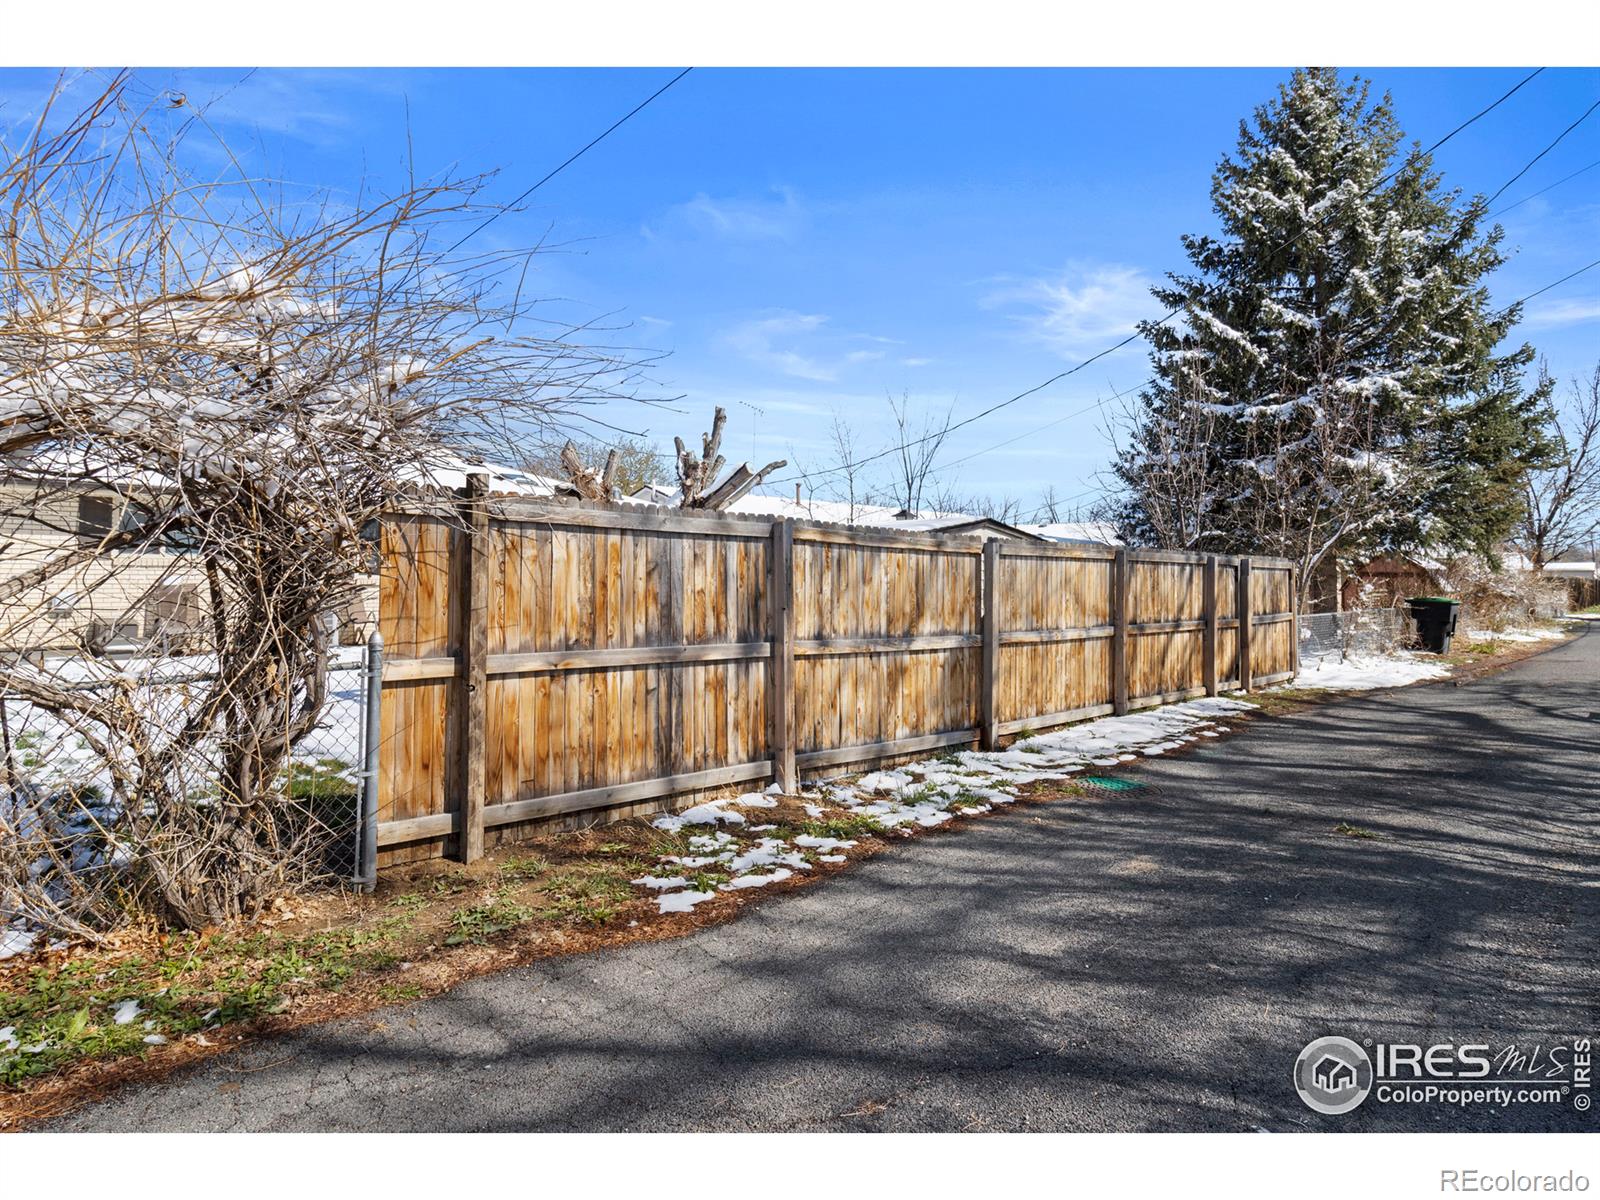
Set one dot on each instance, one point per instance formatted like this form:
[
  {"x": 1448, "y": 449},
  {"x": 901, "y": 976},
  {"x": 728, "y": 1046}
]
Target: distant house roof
[
  {"x": 451, "y": 473},
  {"x": 1573, "y": 570},
  {"x": 1100, "y": 532},
  {"x": 654, "y": 493},
  {"x": 876, "y": 516},
  {"x": 448, "y": 472}
]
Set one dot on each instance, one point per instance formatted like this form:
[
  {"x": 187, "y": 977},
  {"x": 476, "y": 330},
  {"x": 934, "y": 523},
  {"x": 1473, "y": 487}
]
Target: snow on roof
[
  {"x": 1573, "y": 570},
  {"x": 653, "y": 493},
  {"x": 451, "y": 473},
  {"x": 1102, "y": 532},
  {"x": 447, "y": 472},
  {"x": 867, "y": 516}
]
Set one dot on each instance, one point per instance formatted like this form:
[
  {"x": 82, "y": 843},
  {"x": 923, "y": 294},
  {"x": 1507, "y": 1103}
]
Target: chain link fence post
[{"x": 372, "y": 700}]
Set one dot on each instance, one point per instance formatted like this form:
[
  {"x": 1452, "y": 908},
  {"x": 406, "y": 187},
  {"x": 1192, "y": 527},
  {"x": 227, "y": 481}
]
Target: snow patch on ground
[
  {"x": 1520, "y": 635},
  {"x": 933, "y": 792},
  {"x": 16, "y": 941},
  {"x": 670, "y": 902},
  {"x": 1359, "y": 673},
  {"x": 700, "y": 814},
  {"x": 822, "y": 843}
]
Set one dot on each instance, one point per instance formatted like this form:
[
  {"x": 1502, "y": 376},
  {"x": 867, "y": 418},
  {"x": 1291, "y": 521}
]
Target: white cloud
[
  {"x": 802, "y": 345},
  {"x": 309, "y": 105},
  {"x": 779, "y": 216},
  {"x": 760, "y": 340},
  {"x": 1563, "y": 312},
  {"x": 915, "y": 362},
  {"x": 1083, "y": 308}
]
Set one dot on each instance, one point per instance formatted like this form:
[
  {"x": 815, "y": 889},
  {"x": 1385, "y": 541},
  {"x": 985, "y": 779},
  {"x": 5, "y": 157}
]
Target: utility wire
[
  {"x": 1548, "y": 286},
  {"x": 1546, "y": 188},
  {"x": 620, "y": 121},
  {"x": 1542, "y": 153},
  {"x": 948, "y": 429},
  {"x": 1100, "y": 403}
]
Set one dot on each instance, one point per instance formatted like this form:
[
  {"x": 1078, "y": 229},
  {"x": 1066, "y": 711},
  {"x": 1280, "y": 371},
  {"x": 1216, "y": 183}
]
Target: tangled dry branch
[{"x": 232, "y": 384}]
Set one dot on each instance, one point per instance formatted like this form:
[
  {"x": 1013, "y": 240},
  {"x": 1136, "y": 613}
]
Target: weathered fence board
[{"x": 553, "y": 660}]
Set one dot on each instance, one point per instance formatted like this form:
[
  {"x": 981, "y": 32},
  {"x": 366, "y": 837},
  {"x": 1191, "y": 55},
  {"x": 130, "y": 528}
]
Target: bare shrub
[
  {"x": 1496, "y": 600},
  {"x": 252, "y": 376}
]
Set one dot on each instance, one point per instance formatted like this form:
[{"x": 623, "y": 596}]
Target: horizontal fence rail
[{"x": 554, "y": 660}]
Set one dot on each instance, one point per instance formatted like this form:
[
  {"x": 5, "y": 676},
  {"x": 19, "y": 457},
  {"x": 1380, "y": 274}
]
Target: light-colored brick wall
[{"x": 118, "y": 587}]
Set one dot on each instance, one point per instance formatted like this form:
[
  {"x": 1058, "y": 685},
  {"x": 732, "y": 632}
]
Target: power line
[
  {"x": 1542, "y": 153},
  {"x": 1529, "y": 78},
  {"x": 1548, "y": 286},
  {"x": 807, "y": 475},
  {"x": 1543, "y": 190},
  {"x": 1099, "y": 403},
  {"x": 617, "y": 124}
]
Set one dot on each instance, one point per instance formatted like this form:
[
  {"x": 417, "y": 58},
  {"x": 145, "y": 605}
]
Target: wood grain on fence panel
[
  {"x": 417, "y": 622},
  {"x": 1273, "y": 628},
  {"x": 628, "y": 655},
  {"x": 1166, "y": 627},
  {"x": 1227, "y": 624},
  {"x": 1055, "y": 652},
  {"x": 886, "y": 642}
]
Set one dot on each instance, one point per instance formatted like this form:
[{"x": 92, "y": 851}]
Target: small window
[
  {"x": 94, "y": 518},
  {"x": 98, "y": 517}
]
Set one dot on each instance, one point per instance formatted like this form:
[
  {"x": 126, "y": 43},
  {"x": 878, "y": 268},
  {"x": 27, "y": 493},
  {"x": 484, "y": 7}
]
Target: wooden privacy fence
[{"x": 547, "y": 659}]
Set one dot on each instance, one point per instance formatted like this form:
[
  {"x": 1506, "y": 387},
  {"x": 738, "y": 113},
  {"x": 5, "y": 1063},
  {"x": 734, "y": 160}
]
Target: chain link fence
[
  {"x": 329, "y": 773},
  {"x": 1337, "y": 636},
  {"x": 60, "y": 818}
]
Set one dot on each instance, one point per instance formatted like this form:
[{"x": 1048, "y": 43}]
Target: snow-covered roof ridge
[
  {"x": 844, "y": 515},
  {"x": 443, "y": 471},
  {"x": 1100, "y": 532},
  {"x": 1575, "y": 569},
  {"x": 449, "y": 473}
]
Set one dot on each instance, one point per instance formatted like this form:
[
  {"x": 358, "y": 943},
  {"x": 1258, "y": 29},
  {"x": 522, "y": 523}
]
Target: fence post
[
  {"x": 1211, "y": 607},
  {"x": 780, "y": 669},
  {"x": 472, "y": 693},
  {"x": 371, "y": 731},
  {"x": 1294, "y": 624},
  {"x": 988, "y": 594},
  {"x": 1119, "y": 632},
  {"x": 1243, "y": 606}
]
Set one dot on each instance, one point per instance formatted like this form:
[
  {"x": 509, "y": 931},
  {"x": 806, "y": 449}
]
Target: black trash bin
[{"x": 1436, "y": 621}]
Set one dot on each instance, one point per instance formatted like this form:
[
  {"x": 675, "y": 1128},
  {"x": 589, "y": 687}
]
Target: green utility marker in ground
[{"x": 1110, "y": 783}]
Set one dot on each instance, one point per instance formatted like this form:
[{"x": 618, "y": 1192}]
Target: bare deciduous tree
[
  {"x": 591, "y": 484},
  {"x": 254, "y": 378},
  {"x": 1562, "y": 502},
  {"x": 917, "y": 445},
  {"x": 848, "y": 475}
]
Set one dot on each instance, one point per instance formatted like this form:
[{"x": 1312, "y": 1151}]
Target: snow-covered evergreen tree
[{"x": 1331, "y": 385}]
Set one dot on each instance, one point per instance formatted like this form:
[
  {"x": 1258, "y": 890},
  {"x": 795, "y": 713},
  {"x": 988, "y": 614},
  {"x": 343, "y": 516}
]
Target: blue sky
[{"x": 805, "y": 241}]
